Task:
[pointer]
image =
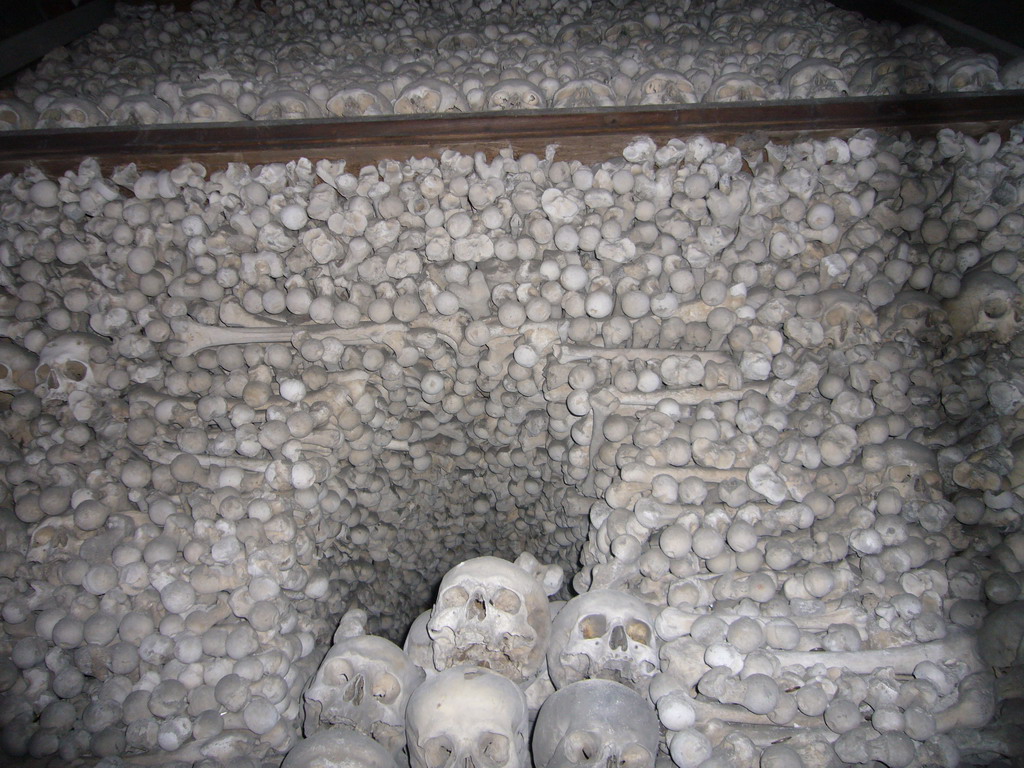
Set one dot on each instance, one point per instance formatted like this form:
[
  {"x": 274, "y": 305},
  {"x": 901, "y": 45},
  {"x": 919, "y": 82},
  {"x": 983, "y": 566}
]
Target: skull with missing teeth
[
  {"x": 490, "y": 613},
  {"x": 467, "y": 717},
  {"x": 603, "y": 634},
  {"x": 363, "y": 683},
  {"x": 593, "y": 724}
]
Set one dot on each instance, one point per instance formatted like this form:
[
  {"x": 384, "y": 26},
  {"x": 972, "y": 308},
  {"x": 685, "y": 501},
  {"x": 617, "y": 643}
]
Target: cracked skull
[
  {"x": 603, "y": 634},
  {"x": 467, "y": 717},
  {"x": 363, "y": 683},
  {"x": 596, "y": 723},
  {"x": 491, "y": 613}
]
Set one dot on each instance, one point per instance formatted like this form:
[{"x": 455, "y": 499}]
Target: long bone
[{"x": 958, "y": 646}]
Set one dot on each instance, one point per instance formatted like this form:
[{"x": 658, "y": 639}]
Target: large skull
[
  {"x": 363, "y": 683},
  {"x": 593, "y": 724},
  {"x": 603, "y": 634},
  {"x": 987, "y": 304},
  {"x": 338, "y": 748},
  {"x": 467, "y": 717},
  {"x": 491, "y": 613},
  {"x": 67, "y": 370}
]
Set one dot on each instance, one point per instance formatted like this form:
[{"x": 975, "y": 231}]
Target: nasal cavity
[
  {"x": 477, "y": 609},
  {"x": 618, "y": 639},
  {"x": 356, "y": 690}
]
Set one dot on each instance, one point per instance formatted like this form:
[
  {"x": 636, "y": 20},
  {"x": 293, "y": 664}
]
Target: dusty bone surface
[
  {"x": 229, "y": 62},
  {"x": 799, "y": 454}
]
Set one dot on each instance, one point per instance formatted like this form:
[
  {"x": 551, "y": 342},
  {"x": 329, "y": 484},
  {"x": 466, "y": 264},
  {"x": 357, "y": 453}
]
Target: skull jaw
[
  {"x": 630, "y": 672},
  {"x": 510, "y": 659}
]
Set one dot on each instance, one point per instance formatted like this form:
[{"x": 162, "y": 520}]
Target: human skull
[
  {"x": 491, "y": 613},
  {"x": 847, "y": 319},
  {"x": 207, "y": 108},
  {"x": 736, "y": 86},
  {"x": 363, "y": 683},
  {"x": 429, "y": 96},
  {"x": 16, "y": 115},
  {"x": 515, "y": 93},
  {"x": 287, "y": 104},
  {"x": 909, "y": 467},
  {"x": 67, "y": 370},
  {"x": 358, "y": 101},
  {"x": 917, "y": 315},
  {"x": 815, "y": 79},
  {"x": 596, "y": 723},
  {"x": 603, "y": 634},
  {"x": 70, "y": 112},
  {"x": 662, "y": 86},
  {"x": 141, "y": 109},
  {"x": 969, "y": 72},
  {"x": 583, "y": 94},
  {"x": 987, "y": 304},
  {"x": 17, "y": 367},
  {"x": 467, "y": 717},
  {"x": 338, "y": 748}
]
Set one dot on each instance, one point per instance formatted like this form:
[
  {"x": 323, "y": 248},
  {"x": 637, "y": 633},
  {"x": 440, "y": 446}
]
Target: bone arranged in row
[
  {"x": 151, "y": 66},
  {"x": 717, "y": 372}
]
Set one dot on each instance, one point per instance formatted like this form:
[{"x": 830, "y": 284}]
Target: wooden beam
[
  {"x": 585, "y": 135},
  {"x": 36, "y": 42}
]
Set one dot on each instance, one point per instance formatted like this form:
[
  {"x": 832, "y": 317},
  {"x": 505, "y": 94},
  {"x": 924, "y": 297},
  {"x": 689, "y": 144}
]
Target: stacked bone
[
  {"x": 225, "y": 61},
  {"x": 749, "y": 379}
]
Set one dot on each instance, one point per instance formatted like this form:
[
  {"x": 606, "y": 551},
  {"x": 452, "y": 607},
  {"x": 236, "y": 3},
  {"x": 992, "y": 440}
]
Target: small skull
[
  {"x": 594, "y": 724},
  {"x": 491, "y": 613},
  {"x": 916, "y": 315},
  {"x": 467, "y": 717},
  {"x": 17, "y": 367},
  {"x": 338, "y": 748},
  {"x": 364, "y": 683},
  {"x": 603, "y": 634},
  {"x": 847, "y": 319},
  {"x": 515, "y": 93},
  {"x": 815, "y": 79}
]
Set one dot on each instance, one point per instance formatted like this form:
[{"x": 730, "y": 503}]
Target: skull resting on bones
[
  {"x": 987, "y": 304},
  {"x": 596, "y": 723},
  {"x": 607, "y": 635},
  {"x": 363, "y": 683},
  {"x": 338, "y": 748},
  {"x": 467, "y": 717},
  {"x": 66, "y": 364},
  {"x": 491, "y": 613}
]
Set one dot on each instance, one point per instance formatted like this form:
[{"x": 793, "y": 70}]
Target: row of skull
[{"x": 481, "y": 662}]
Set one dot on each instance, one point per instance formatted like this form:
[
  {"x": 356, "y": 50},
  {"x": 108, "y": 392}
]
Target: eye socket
[
  {"x": 593, "y": 626},
  {"x": 507, "y": 601},
  {"x": 453, "y": 598},
  {"x": 338, "y": 671},
  {"x": 581, "y": 747},
  {"x": 495, "y": 748},
  {"x": 995, "y": 308},
  {"x": 386, "y": 688},
  {"x": 638, "y": 632},
  {"x": 635, "y": 756},
  {"x": 75, "y": 370},
  {"x": 437, "y": 751}
]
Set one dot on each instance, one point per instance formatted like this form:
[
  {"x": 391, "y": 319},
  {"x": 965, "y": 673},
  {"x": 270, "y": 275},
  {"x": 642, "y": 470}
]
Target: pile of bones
[
  {"x": 760, "y": 400},
  {"x": 228, "y": 60}
]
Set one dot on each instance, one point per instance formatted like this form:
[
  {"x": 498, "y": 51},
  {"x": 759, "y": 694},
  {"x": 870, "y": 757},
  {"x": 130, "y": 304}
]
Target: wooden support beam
[{"x": 588, "y": 136}]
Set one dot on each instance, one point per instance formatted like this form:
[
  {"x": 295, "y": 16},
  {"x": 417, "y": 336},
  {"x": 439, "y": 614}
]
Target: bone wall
[
  {"x": 231, "y": 61},
  {"x": 775, "y": 384}
]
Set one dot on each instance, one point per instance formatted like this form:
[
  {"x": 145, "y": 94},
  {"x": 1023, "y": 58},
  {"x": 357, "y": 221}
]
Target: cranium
[
  {"x": 338, "y": 748},
  {"x": 595, "y": 723},
  {"x": 736, "y": 86},
  {"x": 492, "y": 613},
  {"x": 141, "y": 110},
  {"x": 287, "y": 104},
  {"x": 915, "y": 314},
  {"x": 846, "y": 318},
  {"x": 889, "y": 76},
  {"x": 603, "y": 634},
  {"x": 66, "y": 369},
  {"x": 662, "y": 86},
  {"x": 207, "y": 108},
  {"x": 429, "y": 96},
  {"x": 69, "y": 112},
  {"x": 987, "y": 304},
  {"x": 363, "y": 683},
  {"x": 358, "y": 101},
  {"x": 467, "y": 716},
  {"x": 1012, "y": 73},
  {"x": 584, "y": 93},
  {"x": 815, "y": 79},
  {"x": 970, "y": 72},
  {"x": 909, "y": 467},
  {"x": 515, "y": 93},
  {"x": 16, "y": 115}
]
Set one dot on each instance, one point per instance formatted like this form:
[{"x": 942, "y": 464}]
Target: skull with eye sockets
[
  {"x": 604, "y": 634},
  {"x": 338, "y": 748},
  {"x": 363, "y": 683},
  {"x": 467, "y": 717},
  {"x": 491, "y": 613},
  {"x": 593, "y": 724}
]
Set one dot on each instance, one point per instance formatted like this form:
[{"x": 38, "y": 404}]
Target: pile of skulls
[
  {"x": 763, "y": 397},
  {"x": 227, "y": 61}
]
